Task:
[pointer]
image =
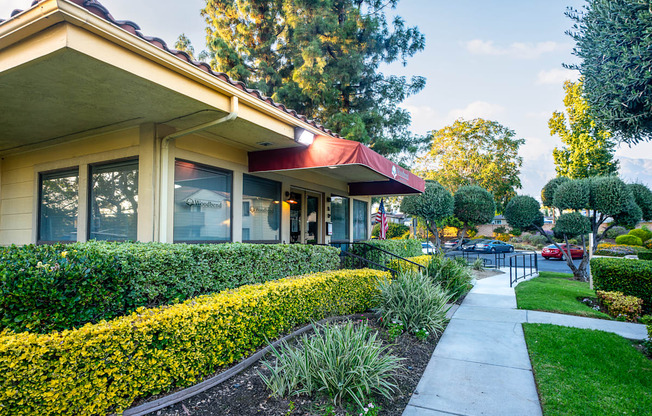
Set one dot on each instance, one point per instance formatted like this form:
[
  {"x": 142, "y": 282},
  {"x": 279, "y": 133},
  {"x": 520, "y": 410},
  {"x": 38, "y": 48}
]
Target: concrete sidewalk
[{"x": 481, "y": 365}]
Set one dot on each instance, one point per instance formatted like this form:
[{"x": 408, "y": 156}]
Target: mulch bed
[{"x": 246, "y": 395}]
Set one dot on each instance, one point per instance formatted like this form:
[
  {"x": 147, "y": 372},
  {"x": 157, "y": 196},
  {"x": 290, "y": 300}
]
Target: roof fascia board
[
  {"x": 29, "y": 22},
  {"x": 80, "y": 17}
]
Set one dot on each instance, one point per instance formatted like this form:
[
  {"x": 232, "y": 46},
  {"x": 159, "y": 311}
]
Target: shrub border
[{"x": 218, "y": 379}]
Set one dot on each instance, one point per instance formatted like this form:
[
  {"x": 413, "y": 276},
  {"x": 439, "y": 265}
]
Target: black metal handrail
[
  {"x": 363, "y": 262},
  {"x": 532, "y": 265},
  {"x": 368, "y": 247},
  {"x": 498, "y": 258}
]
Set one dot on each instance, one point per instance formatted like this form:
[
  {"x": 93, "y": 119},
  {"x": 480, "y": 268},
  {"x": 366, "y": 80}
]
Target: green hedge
[
  {"x": 645, "y": 255},
  {"x": 103, "y": 368},
  {"x": 629, "y": 239},
  {"x": 631, "y": 277},
  {"x": 54, "y": 287},
  {"x": 403, "y": 248}
]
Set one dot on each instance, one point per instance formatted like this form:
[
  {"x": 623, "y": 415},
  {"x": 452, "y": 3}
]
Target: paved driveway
[{"x": 553, "y": 265}]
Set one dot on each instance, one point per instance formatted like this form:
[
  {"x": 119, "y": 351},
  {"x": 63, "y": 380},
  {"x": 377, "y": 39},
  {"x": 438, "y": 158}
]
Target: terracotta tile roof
[{"x": 95, "y": 7}]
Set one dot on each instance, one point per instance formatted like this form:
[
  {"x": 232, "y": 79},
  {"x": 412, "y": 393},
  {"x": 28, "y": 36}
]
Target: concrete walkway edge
[{"x": 481, "y": 364}]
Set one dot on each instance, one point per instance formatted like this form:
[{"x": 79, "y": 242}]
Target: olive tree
[
  {"x": 643, "y": 197},
  {"x": 548, "y": 192},
  {"x": 473, "y": 205},
  {"x": 433, "y": 205},
  {"x": 600, "y": 198}
]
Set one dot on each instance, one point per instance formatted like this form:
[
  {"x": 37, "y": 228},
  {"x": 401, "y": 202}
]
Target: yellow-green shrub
[
  {"x": 404, "y": 266},
  {"x": 618, "y": 305},
  {"x": 103, "y": 368}
]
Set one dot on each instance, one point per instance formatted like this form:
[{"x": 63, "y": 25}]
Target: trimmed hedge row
[
  {"x": 403, "y": 266},
  {"x": 55, "y": 287},
  {"x": 645, "y": 255},
  {"x": 403, "y": 248},
  {"x": 631, "y": 277},
  {"x": 103, "y": 368}
]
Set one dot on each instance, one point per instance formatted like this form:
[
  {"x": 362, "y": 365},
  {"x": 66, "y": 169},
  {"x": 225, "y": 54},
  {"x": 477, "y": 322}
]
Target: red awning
[{"x": 366, "y": 172}]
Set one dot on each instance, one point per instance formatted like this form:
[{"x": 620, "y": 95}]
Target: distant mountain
[{"x": 636, "y": 170}]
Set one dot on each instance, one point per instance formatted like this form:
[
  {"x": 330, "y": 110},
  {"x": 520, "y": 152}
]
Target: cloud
[
  {"x": 556, "y": 76},
  {"x": 426, "y": 118},
  {"x": 519, "y": 50},
  {"x": 636, "y": 170}
]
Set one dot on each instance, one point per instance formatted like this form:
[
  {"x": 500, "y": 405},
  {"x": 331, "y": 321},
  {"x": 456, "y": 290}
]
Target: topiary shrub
[
  {"x": 644, "y": 235},
  {"x": 614, "y": 232},
  {"x": 631, "y": 277},
  {"x": 645, "y": 255},
  {"x": 621, "y": 306},
  {"x": 54, "y": 287},
  {"x": 629, "y": 239}
]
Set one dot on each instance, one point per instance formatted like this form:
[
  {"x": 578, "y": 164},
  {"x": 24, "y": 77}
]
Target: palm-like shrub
[
  {"x": 415, "y": 302},
  {"x": 345, "y": 362}
]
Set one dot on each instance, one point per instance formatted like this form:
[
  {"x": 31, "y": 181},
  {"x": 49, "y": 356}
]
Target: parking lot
[{"x": 552, "y": 265}]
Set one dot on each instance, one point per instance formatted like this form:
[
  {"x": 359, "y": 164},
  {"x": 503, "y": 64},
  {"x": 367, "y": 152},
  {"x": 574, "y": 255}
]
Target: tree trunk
[{"x": 461, "y": 237}]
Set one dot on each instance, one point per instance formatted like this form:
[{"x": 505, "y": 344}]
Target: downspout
[{"x": 165, "y": 151}]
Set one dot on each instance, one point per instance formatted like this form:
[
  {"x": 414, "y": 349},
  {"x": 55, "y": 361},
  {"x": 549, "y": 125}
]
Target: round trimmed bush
[
  {"x": 644, "y": 235},
  {"x": 628, "y": 239},
  {"x": 614, "y": 232}
]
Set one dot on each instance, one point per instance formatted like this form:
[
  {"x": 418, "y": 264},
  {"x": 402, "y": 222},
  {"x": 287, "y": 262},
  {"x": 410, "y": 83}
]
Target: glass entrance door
[{"x": 305, "y": 217}]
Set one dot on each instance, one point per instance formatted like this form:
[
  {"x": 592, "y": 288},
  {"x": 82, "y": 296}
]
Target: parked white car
[{"x": 428, "y": 248}]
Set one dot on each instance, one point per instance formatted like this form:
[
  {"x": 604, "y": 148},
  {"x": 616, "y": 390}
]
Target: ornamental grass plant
[
  {"x": 343, "y": 361},
  {"x": 454, "y": 275},
  {"x": 415, "y": 302}
]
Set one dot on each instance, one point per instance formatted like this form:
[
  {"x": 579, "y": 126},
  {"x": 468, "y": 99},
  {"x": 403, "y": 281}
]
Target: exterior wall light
[
  {"x": 288, "y": 199},
  {"x": 303, "y": 136}
]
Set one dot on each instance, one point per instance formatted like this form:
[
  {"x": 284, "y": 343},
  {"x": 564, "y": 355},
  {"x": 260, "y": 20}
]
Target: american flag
[{"x": 381, "y": 218}]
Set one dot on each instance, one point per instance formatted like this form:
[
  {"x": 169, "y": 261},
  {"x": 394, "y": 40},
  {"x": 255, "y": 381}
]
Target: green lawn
[
  {"x": 554, "y": 292},
  {"x": 585, "y": 372}
]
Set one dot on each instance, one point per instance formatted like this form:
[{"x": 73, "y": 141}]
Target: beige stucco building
[{"x": 108, "y": 134}]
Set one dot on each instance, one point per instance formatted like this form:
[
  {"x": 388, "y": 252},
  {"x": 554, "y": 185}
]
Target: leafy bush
[
  {"x": 403, "y": 266},
  {"x": 345, "y": 362},
  {"x": 643, "y": 234},
  {"x": 631, "y": 277},
  {"x": 452, "y": 274},
  {"x": 402, "y": 248},
  {"x": 478, "y": 264},
  {"x": 393, "y": 230},
  {"x": 629, "y": 239},
  {"x": 648, "y": 244},
  {"x": 645, "y": 255},
  {"x": 502, "y": 237},
  {"x": 415, "y": 302},
  {"x": 501, "y": 229},
  {"x": 614, "y": 250},
  {"x": 53, "y": 287},
  {"x": 536, "y": 240},
  {"x": 619, "y": 305},
  {"x": 516, "y": 232},
  {"x": 103, "y": 368},
  {"x": 614, "y": 232}
]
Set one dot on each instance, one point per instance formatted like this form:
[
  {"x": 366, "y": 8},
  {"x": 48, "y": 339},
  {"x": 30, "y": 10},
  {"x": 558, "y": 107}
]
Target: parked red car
[{"x": 552, "y": 252}]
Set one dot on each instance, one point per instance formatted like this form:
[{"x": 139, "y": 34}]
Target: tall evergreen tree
[
  {"x": 588, "y": 148},
  {"x": 614, "y": 43},
  {"x": 322, "y": 59}
]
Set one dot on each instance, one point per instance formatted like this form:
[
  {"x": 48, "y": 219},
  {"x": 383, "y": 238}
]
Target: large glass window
[
  {"x": 340, "y": 218},
  {"x": 261, "y": 210},
  {"x": 114, "y": 201},
  {"x": 360, "y": 220},
  {"x": 58, "y": 206},
  {"x": 202, "y": 203}
]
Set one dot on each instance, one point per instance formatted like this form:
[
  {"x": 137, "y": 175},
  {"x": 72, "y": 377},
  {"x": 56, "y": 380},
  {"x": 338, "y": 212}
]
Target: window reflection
[
  {"x": 261, "y": 209},
  {"x": 114, "y": 201},
  {"x": 360, "y": 220},
  {"x": 202, "y": 203},
  {"x": 340, "y": 218},
  {"x": 59, "y": 205}
]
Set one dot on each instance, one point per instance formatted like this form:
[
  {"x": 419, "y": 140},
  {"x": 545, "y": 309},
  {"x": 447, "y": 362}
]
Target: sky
[{"x": 500, "y": 60}]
